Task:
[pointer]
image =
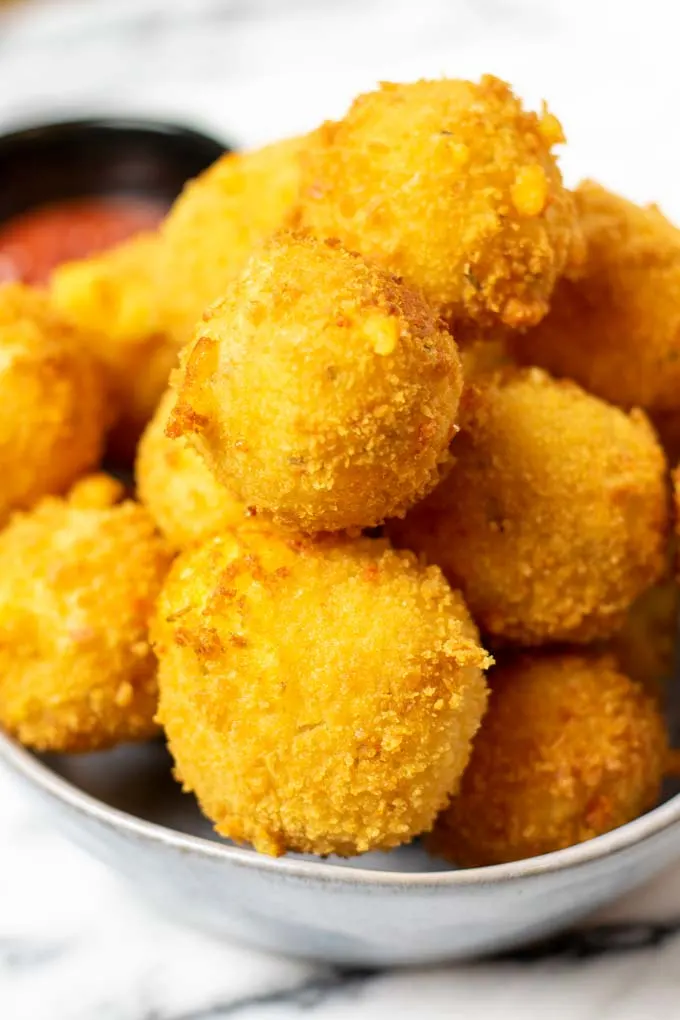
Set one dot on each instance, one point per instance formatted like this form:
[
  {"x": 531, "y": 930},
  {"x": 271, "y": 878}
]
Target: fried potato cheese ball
[
  {"x": 554, "y": 517},
  {"x": 78, "y": 582},
  {"x": 52, "y": 401},
  {"x": 320, "y": 390},
  {"x": 645, "y": 648},
  {"x": 569, "y": 749},
  {"x": 453, "y": 186},
  {"x": 615, "y": 328},
  {"x": 142, "y": 299},
  {"x": 318, "y": 696},
  {"x": 115, "y": 299},
  {"x": 218, "y": 221},
  {"x": 177, "y": 488}
]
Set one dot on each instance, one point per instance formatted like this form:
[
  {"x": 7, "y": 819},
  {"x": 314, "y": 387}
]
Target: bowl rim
[
  {"x": 40, "y": 129},
  {"x": 38, "y": 774}
]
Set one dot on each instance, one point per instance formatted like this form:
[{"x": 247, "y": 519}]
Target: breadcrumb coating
[
  {"x": 115, "y": 299},
  {"x": 142, "y": 300},
  {"x": 452, "y": 185},
  {"x": 675, "y": 485},
  {"x": 569, "y": 749},
  {"x": 318, "y": 696},
  {"x": 483, "y": 356},
  {"x": 645, "y": 648},
  {"x": 615, "y": 328},
  {"x": 53, "y": 405},
  {"x": 78, "y": 582},
  {"x": 174, "y": 484},
  {"x": 554, "y": 517},
  {"x": 319, "y": 389},
  {"x": 217, "y": 222}
]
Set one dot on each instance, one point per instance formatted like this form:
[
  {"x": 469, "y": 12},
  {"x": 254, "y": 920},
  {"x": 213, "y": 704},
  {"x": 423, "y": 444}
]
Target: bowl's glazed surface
[{"x": 381, "y": 909}]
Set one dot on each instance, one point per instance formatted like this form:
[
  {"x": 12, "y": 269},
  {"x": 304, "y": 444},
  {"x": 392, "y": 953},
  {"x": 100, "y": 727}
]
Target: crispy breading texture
[
  {"x": 675, "y": 485},
  {"x": 554, "y": 517},
  {"x": 569, "y": 749},
  {"x": 320, "y": 390},
  {"x": 217, "y": 222},
  {"x": 78, "y": 582},
  {"x": 453, "y": 186},
  {"x": 645, "y": 648},
  {"x": 318, "y": 696},
  {"x": 115, "y": 298},
  {"x": 615, "y": 328},
  {"x": 53, "y": 411},
  {"x": 177, "y": 488},
  {"x": 142, "y": 299}
]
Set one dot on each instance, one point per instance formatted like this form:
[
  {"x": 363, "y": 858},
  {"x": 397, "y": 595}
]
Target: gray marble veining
[{"x": 74, "y": 943}]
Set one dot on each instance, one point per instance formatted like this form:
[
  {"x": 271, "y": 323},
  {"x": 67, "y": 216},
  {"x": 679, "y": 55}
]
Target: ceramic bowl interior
[{"x": 137, "y": 781}]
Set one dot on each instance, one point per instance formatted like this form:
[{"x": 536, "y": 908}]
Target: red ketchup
[{"x": 34, "y": 243}]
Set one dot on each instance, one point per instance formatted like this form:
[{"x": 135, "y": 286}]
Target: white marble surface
[{"x": 74, "y": 943}]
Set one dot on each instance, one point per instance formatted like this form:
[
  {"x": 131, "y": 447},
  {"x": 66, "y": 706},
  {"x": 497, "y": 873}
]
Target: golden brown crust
[
  {"x": 175, "y": 485},
  {"x": 318, "y": 695},
  {"x": 453, "y": 186},
  {"x": 615, "y": 328},
  {"x": 320, "y": 390},
  {"x": 218, "y": 221},
  {"x": 569, "y": 749},
  {"x": 141, "y": 300},
  {"x": 53, "y": 404},
  {"x": 645, "y": 649},
  {"x": 78, "y": 582},
  {"x": 115, "y": 299},
  {"x": 554, "y": 517}
]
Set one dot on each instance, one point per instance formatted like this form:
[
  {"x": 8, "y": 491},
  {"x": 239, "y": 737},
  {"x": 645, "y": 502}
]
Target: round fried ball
[
  {"x": 675, "y": 481},
  {"x": 453, "y": 186},
  {"x": 318, "y": 696},
  {"x": 115, "y": 299},
  {"x": 174, "y": 484},
  {"x": 142, "y": 300},
  {"x": 569, "y": 749},
  {"x": 645, "y": 648},
  {"x": 78, "y": 582},
  {"x": 615, "y": 329},
  {"x": 554, "y": 517},
  {"x": 320, "y": 390},
  {"x": 217, "y": 222},
  {"x": 53, "y": 406}
]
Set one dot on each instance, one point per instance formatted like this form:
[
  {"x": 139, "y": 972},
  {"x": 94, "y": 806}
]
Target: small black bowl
[{"x": 105, "y": 156}]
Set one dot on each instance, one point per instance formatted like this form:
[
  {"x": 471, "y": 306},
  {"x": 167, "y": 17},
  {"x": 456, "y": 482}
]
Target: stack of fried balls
[{"x": 399, "y": 558}]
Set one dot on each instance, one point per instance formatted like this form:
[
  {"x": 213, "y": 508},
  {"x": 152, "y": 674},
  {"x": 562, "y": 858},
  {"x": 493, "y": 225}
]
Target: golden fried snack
[
  {"x": 113, "y": 293},
  {"x": 453, "y": 186},
  {"x": 115, "y": 298},
  {"x": 53, "y": 406},
  {"x": 616, "y": 328},
  {"x": 317, "y": 695},
  {"x": 675, "y": 485},
  {"x": 645, "y": 648},
  {"x": 569, "y": 749},
  {"x": 218, "y": 221},
  {"x": 483, "y": 356},
  {"x": 320, "y": 390},
  {"x": 142, "y": 300},
  {"x": 174, "y": 484},
  {"x": 554, "y": 517},
  {"x": 78, "y": 582}
]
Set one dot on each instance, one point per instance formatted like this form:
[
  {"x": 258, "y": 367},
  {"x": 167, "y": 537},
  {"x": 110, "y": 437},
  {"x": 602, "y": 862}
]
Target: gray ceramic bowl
[{"x": 396, "y": 908}]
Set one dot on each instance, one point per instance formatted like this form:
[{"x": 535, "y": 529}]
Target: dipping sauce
[{"x": 36, "y": 242}]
